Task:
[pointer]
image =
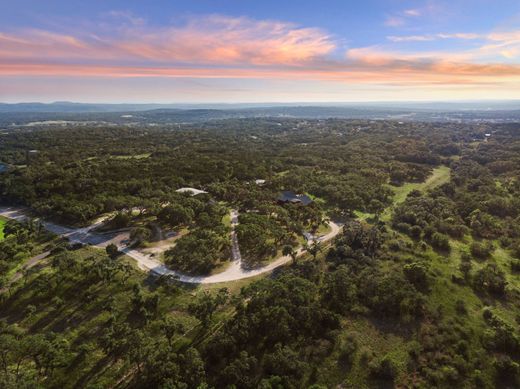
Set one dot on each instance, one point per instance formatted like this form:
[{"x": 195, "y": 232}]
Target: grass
[
  {"x": 439, "y": 176},
  {"x": 316, "y": 199},
  {"x": 2, "y": 224},
  {"x": 323, "y": 229},
  {"x": 226, "y": 220}
]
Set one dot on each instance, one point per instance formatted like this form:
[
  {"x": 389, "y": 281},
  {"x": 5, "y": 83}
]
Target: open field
[{"x": 440, "y": 175}]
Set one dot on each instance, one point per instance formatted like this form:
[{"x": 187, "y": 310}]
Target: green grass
[
  {"x": 226, "y": 220},
  {"x": 439, "y": 176},
  {"x": 2, "y": 224}
]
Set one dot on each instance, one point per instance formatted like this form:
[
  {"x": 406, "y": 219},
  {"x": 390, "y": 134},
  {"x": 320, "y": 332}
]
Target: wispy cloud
[
  {"x": 412, "y": 12},
  {"x": 492, "y": 45},
  {"x": 394, "y": 21},
  {"x": 211, "y": 39},
  {"x": 433, "y": 37},
  {"x": 218, "y": 46},
  {"x": 400, "y": 18}
]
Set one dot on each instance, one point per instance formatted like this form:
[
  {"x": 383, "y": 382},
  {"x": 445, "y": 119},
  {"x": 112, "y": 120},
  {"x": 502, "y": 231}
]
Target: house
[
  {"x": 191, "y": 191},
  {"x": 260, "y": 182},
  {"x": 288, "y": 197}
]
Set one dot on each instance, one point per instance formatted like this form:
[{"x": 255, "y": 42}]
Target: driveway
[{"x": 146, "y": 262}]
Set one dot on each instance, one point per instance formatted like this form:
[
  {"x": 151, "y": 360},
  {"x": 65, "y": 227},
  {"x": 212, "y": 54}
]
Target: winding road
[{"x": 235, "y": 271}]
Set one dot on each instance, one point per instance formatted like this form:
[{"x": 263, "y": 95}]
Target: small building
[
  {"x": 31, "y": 155},
  {"x": 260, "y": 182},
  {"x": 288, "y": 197},
  {"x": 191, "y": 191}
]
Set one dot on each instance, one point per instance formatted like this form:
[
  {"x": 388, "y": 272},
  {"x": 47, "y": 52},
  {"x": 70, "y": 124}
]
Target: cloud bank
[{"x": 217, "y": 46}]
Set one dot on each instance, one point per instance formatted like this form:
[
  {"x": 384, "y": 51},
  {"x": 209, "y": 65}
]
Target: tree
[
  {"x": 140, "y": 235},
  {"x": 339, "y": 291},
  {"x": 314, "y": 248},
  {"x": 207, "y": 304},
  {"x": 440, "y": 241},
  {"x": 376, "y": 207},
  {"x": 491, "y": 279},
  {"x": 481, "y": 250},
  {"x": 465, "y": 268},
  {"x": 417, "y": 274},
  {"x": 171, "y": 327},
  {"x": 288, "y": 250},
  {"x": 176, "y": 215},
  {"x": 112, "y": 250},
  {"x": 120, "y": 220},
  {"x": 385, "y": 369}
]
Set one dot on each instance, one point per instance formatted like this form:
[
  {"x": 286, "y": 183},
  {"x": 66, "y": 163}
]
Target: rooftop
[
  {"x": 191, "y": 191},
  {"x": 291, "y": 197}
]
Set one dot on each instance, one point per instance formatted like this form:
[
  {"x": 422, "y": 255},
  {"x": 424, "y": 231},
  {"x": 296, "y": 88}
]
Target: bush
[
  {"x": 507, "y": 370},
  {"x": 490, "y": 279},
  {"x": 348, "y": 350},
  {"x": 481, "y": 250},
  {"x": 417, "y": 274},
  {"x": 460, "y": 307},
  {"x": 112, "y": 250},
  {"x": 440, "y": 241},
  {"x": 385, "y": 369},
  {"x": 120, "y": 220},
  {"x": 416, "y": 232},
  {"x": 403, "y": 227}
]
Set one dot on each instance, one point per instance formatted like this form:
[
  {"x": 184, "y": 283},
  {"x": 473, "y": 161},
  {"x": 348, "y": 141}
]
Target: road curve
[{"x": 233, "y": 272}]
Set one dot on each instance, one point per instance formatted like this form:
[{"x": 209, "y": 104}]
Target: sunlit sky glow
[{"x": 259, "y": 51}]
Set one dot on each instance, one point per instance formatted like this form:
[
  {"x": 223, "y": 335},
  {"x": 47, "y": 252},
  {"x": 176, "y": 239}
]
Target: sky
[{"x": 233, "y": 51}]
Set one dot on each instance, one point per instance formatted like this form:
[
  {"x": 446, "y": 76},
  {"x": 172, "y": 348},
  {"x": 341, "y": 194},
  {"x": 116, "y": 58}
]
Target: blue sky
[{"x": 247, "y": 51}]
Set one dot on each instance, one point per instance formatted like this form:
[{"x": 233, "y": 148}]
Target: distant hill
[
  {"x": 30, "y": 113},
  {"x": 335, "y": 108},
  {"x": 78, "y": 107}
]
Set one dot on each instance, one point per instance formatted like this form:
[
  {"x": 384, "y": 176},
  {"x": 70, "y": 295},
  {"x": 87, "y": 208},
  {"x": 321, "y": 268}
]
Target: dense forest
[{"x": 421, "y": 289}]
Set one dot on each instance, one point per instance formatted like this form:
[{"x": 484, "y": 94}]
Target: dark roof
[{"x": 291, "y": 197}]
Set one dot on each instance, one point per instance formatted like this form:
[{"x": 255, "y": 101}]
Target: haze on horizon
[{"x": 243, "y": 51}]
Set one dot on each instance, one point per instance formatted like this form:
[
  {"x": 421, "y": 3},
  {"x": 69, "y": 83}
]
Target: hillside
[{"x": 420, "y": 289}]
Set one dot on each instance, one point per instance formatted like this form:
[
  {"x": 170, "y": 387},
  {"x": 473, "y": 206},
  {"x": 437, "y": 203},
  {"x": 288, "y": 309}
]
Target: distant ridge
[{"x": 72, "y": 107}]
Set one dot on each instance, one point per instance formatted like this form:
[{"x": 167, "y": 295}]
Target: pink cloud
[
  {"x": 223, "y": 47},
  {"x": 433, "y": 37},
  {"x": 394, "y": 21},
  {"x": 213, "y": 39}
]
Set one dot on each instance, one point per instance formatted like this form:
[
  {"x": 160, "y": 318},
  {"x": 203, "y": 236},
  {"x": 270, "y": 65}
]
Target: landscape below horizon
[{"x": 260, "y": 195}]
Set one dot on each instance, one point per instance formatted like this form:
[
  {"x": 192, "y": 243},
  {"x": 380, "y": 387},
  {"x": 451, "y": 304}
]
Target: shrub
[
  {"x": 515, "y": 265},
  {"x": 417, "y": 274},
  {"x": 403, "y": 227},
  {"x": 385, "y": 369},
  {"x": 490, "y": 279},
  {"x": 415, "y": 232},
  {"x": 460, "y": 307},
  {"x": 481, "y": 250},
  {"x": 440, "y": 241},
  {"x": 347, "y": 351}
]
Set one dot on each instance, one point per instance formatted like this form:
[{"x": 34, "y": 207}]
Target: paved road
[{"x": 146, "y": 262}]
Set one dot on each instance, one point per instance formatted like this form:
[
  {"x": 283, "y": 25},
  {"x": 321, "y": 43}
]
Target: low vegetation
[{"x": 421, "y": 289}]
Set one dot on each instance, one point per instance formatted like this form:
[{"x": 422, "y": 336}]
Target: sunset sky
[{"x": 259, "y": 51}]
